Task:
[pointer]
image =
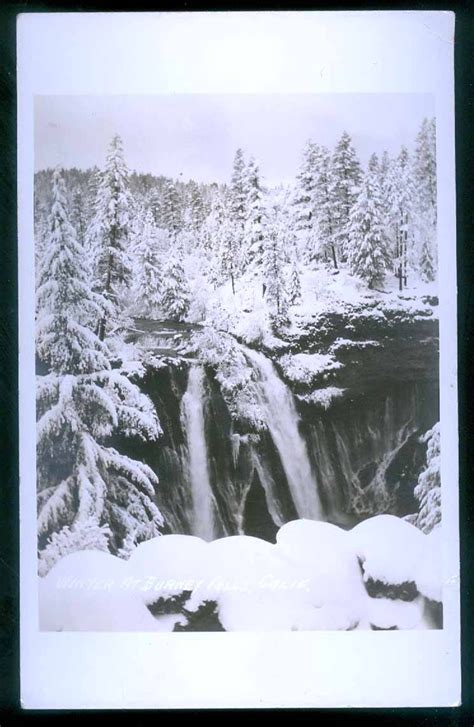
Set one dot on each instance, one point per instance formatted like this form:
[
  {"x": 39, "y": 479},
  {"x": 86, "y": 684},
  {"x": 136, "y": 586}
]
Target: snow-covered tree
[
  {"x": 83, "y": 482},
  {"x": 367, "y": 246},
  {"x": 401, "y": 196},
  {"x": 305, "y": 186},
  {"x": 67, "y": 307},
  {"x": 111, "y": 234},
  {"x": 322, "y": 241},
  {"x": 424, "y": 172},
  {"x": 171, "y": 209},
  {"x": 345, "y": 181},
  {"x": 253, "y": 235},
  {"x": 238, "y": 191},
  {"x": 196, "y": 206},
  {"x": 148, "y": 272},
  {"x": 175, "y": 293},
  {"x": 230, "y": 249},
  {"x": 273, "y": 261},
  {"x": 294, "y": 283},
  {"x": 428, "y": 489},
  {"x": 238, "y": 208}
]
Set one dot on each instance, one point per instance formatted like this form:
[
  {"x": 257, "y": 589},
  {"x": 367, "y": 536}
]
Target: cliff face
[{"x": 346, "y": 398}]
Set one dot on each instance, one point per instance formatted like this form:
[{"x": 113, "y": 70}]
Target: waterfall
[
  {"x": 276, "y": 401},
  {"x": 192, "y": 414}
]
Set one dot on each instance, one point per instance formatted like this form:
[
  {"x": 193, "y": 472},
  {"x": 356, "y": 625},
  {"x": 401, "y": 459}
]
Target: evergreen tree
[
  {"x": 294, "y": 286},
  {"x": 111, "y": 233},
  {"x": 238, "y": 191},
  {"x": 83, "y": 483},
  {"x": 345, "y": 182},
  {"x": 401, "y": 195},
  {"x": 195, "y": 203},
  {"x": 305, "y": 187},
  {"x": 238, "y": 211},
  {"x": 273, "y": 262},
  {"x": 212, "y": 224},
  {"x": 253, "y": 236},
  {"x": 424, "y": 172},
  {"x": 175, "y": 293},
  {"x": 147, "y": 270},
  {"x": 171, "y": 212},
  {"x": 322, "y": 242},
  {"x": 367, "y": 247},
  {"x": 230, "y": 249},
  {"x": 428, "y": 489}
]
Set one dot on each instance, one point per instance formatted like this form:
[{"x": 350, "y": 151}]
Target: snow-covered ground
[{"x": 314, "y": 578}]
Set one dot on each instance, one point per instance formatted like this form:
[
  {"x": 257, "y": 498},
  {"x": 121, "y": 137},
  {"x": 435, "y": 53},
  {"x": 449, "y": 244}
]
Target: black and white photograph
[
  {"x": 237, "y": 363},
  {"x": 237, "y": 315}
]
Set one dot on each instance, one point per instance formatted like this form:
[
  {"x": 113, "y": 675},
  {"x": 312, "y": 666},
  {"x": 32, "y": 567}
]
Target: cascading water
[
  {"x": 192, "y": 414},
  {"x": 277, "y": 403}
]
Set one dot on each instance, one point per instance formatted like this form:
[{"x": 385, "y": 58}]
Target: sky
[{"x": 195, "y": 136}]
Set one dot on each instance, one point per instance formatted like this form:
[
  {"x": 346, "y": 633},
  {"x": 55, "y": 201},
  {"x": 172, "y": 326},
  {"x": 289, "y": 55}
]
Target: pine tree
[
  {"x": 273, "y": 262},
  {"x": 401, "y": 194},
  {"x": 345, "y": 182},
  {"x": 195, "y": 204},
  {"x": 171, "y": 211},
  {"x": 428, "y": 489},
  {"x": 83, "y": 482},
  {"x": 367, "y": 247},
  {"x": 424, "y": 172},
  {"x": 238, "y": 192},
  {"x": 253, "y": 236},
  {"x": 111, "y": 232},
  {"x": 147, "y": 270},
  {"x": 230, "y": 249},
  {"x": 305, "y": 187},
  {"x": 294, "y": 285},
  {"x": 323, "y": 240},
  {"x": 175, "y": 293},
  {"x": 238, "y": 211}
]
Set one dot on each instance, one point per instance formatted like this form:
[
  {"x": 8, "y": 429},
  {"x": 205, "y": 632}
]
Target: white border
[{"x": 238, "y": 53}]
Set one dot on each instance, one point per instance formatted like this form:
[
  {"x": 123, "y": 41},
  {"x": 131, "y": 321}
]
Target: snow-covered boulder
[
  {"x": 390, "y": 551},
  {"x": 91, "y": 591},
  {"x": 322, "y": 554},
  {"x": 168, "y": 566},
  {"x": 253, "y": 587}
]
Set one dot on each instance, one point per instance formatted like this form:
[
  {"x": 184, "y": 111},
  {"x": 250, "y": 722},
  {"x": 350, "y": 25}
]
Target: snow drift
[{"x": 383, "y": 574}]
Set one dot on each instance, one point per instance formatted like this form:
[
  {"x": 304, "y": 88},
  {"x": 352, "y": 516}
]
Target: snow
[
  {"x": 391, "y": 550},
  {"x": 86, "y": 591},
  {"x": 387, "y": 613},
  {"x": 304, "y": 367},
  {"x": 323, "y": 397},
  {"x": 167, "y": 565},
  {"x": 311, "y": 579}
]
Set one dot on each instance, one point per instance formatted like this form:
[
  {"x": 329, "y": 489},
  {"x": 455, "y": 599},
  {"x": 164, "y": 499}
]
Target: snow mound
[
  {"x": 322, "y": 553},
  {"x": 317, "y": 576},
  {"x": 252, "y": 586},
  {"x": 168, "y": 565},
  {"x": 390, "y": 549},
  {"x": 89, "y": 591}
]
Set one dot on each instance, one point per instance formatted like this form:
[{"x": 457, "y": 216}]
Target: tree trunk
[
  {"x": 333, "y": 250},
  {"x": 233, "y": 283}
]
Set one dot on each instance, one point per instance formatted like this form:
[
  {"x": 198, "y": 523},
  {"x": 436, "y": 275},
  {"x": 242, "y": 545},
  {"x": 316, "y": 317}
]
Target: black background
[{"x": 10, "y": 709}]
